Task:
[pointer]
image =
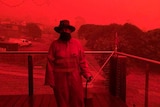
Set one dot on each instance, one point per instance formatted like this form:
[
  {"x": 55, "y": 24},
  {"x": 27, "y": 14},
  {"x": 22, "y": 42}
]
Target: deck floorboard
[{"x": 48, "y": 100}]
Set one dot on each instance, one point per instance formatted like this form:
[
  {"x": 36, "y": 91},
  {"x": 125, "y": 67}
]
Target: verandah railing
[
  {"x": 147, "y": 75},
  {"x": 112, "y": 53}
]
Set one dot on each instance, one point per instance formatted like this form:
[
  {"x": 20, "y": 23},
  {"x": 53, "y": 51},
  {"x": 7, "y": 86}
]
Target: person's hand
[
  {"x": 52, "y": 86},
  {"x": 89, "y": 79}
]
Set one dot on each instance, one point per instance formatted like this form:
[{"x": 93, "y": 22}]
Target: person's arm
[
  {"x": 49, "y": 76},
  {"x": 84, "y": 65}
]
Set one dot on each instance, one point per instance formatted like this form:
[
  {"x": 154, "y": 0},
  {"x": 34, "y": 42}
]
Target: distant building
[{"x": 5, "y": 46}]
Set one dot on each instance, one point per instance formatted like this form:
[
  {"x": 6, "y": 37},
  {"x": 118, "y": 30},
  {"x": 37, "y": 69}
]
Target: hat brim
[{"x": 59, "y": 29}]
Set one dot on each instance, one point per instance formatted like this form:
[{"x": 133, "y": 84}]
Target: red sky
[{"x": 143, "y": 13}]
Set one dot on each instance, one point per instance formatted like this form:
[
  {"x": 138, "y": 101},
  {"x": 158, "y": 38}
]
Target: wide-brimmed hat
[{"x": 64, "y": 24}]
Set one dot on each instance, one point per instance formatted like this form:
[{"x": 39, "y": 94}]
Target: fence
[{"x": 117, "y": 74}]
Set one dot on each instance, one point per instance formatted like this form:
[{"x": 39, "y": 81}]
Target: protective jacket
[{"x": 65, "y": 67}]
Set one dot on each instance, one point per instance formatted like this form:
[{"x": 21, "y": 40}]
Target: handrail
[
  {"x": 147, "y": 72},
  {"x": 138, "y": 57},
  {"x": 23, "y": 52},
  {"x": 86, "y": 52},
  {"x": 30, "y": 65},
  {"x": 45, "y": 52},
  {"x": 100, "y": 52}
]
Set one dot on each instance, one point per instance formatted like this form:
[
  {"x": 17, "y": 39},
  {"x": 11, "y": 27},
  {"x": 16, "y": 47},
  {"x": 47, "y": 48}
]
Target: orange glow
[{"x": 144, "y": 14}]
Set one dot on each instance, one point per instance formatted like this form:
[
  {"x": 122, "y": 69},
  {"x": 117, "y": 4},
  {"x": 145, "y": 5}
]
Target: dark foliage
[
  {"x": 131, "y": 39},
  {"x": 33, "y": 30}
]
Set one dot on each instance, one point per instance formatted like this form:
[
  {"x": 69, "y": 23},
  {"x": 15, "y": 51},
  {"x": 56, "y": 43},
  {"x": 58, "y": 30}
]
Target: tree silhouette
[
  {"x": 33, "y": 30},
  {"x": 131, "y": 39}
]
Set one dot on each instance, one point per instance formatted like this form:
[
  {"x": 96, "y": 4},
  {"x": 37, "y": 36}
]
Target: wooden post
[
  {"x": 112, "y": 75},
  {"x": 117, "y": 77},
  {"x": 146, "y": 85},
  {"x": 121, "y": 77},
  {"x": 30, "y": 75}
]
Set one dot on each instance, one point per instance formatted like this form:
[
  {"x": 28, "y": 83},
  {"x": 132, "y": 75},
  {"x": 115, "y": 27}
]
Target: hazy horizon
[{"x": 144, "y": 14}]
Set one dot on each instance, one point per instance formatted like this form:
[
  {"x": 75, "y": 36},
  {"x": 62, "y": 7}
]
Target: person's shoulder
[{"x": 54, "y": 42}]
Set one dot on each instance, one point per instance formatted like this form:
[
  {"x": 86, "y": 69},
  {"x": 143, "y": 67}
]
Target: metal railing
[
  {"x": 30, "y": 66},
  {"x": 147, "y": 72}
]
